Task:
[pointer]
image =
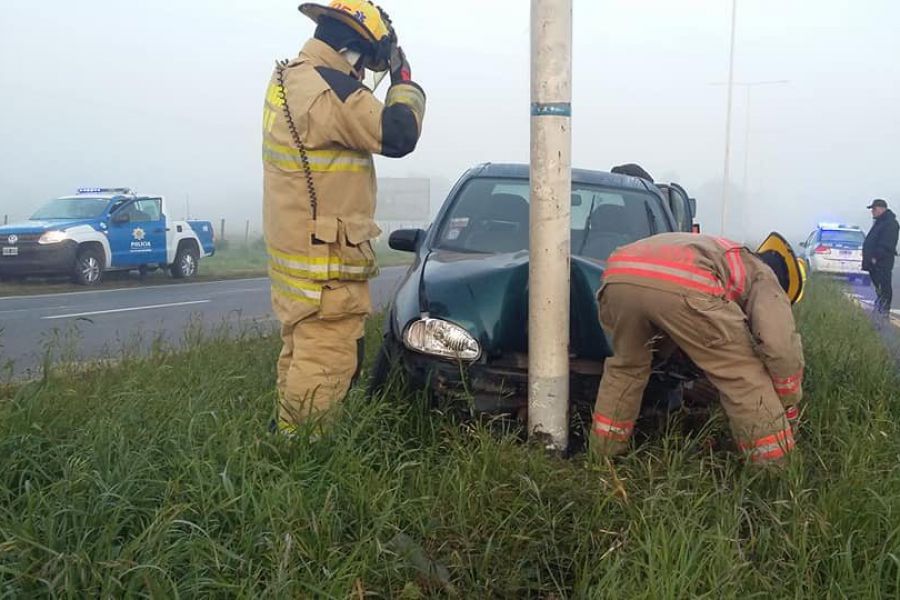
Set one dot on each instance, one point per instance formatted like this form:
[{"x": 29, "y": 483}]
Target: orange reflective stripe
[
  {"x": 738, "y": 274},
  {"x": 774, "y": 454},
  {"x": 649, "y": 273},
  {"x": 787, "y": 386},
  {"x": 659, "y": 262},
  {"x": 618, "y": 431},
  {"x": 682, "y": 272},
  {"x": 726, "y": 243},
  {"x": 770, "y": 447}
]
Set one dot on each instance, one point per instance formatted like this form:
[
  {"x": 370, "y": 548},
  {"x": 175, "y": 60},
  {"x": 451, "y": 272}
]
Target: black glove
[{"x": 401, "y": 72}]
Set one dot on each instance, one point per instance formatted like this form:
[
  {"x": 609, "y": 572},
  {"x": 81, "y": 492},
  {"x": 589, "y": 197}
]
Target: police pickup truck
[{"x": 103, "y": 229}]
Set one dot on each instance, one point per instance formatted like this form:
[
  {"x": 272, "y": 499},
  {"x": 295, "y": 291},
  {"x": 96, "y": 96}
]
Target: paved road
[
  {"x": 866, "y": 297},
  {"x": 868, "y": 292},
  {"x": 99, "y": 324}
]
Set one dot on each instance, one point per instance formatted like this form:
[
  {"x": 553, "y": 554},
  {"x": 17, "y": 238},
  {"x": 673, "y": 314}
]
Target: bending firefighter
[
  {"x": 321, "y": 126},
  {"x": 728, "y": 309}
]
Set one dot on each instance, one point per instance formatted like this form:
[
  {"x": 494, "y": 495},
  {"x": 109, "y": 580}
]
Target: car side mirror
[
  {"x": 121, "y": 217},
  {"x": 406, "y": 240}
]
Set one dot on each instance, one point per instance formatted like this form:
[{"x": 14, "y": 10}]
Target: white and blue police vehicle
[
  {"x": 103, "y": 229},
  {"x": 836, "y": 249}
]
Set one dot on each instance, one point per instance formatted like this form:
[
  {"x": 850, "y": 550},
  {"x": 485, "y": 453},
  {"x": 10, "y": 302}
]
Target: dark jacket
[{"x": 881, "y": 243}]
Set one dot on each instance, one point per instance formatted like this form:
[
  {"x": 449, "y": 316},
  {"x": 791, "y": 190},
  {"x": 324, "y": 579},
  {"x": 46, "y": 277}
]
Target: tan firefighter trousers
[
  {"x": 713, "y": 332},
  {"x": 320, "y": 354}
]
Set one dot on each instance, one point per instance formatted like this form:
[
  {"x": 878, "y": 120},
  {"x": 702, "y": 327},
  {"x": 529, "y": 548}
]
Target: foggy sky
[{"x": 167, "y": 96}]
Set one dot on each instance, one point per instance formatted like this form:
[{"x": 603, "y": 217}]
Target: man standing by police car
[
  {"x": 321, "y": 126},
  {"x": 879, "y": 251}
]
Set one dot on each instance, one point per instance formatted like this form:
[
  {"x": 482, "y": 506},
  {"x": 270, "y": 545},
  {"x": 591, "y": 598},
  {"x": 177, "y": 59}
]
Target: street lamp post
[{"x": 728, "y": 118}]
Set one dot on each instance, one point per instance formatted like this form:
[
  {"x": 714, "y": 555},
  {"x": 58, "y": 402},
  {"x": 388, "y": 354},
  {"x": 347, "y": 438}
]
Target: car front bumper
[
  {"x": 502, "y": 387},
  {"x": 37, "y": 259}
]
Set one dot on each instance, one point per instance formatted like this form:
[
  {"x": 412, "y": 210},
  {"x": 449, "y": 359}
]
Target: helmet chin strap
[{"x": 355, "y": 59}]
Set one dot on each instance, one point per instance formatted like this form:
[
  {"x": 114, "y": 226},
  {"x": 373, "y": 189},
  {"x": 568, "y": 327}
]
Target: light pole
[
  {"x": 551, "y": 193},
  {"x": 728, "y": 118}
]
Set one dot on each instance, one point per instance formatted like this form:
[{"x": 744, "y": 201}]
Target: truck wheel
[
  {"x": 186, "y": 262},
  {"x": 88, "y": 267}
]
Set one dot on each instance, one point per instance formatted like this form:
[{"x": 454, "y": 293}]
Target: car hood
[
  {"x": 30, "y": 227},
  {"x": 488, "y": 295}
]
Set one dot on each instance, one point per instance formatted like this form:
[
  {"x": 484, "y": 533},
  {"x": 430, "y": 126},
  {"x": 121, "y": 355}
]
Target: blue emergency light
[
  {"x": 837, "y": 226},
  {"x": 99, "y": 190}
]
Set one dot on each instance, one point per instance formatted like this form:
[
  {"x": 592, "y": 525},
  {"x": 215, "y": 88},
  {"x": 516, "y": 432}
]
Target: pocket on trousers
[
  {"x": 713, "y": 318},
  {"x": 603, "y": 309},
  {"x": 341, "y": 299}
]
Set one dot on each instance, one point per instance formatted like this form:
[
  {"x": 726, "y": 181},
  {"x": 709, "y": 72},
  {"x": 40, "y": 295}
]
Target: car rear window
[
  {"x": 491, "y": 216},
  {"x": 843, "y": 238}
]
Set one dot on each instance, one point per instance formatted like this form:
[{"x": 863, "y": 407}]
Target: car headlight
[
  {"x": 441, "y": 338},
  {"x": 53, "y": 237}
]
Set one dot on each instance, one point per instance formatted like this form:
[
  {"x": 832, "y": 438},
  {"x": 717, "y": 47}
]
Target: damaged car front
[{"x": 458, "y": 323}]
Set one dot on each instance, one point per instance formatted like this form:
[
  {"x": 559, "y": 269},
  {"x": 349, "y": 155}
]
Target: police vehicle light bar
[
  {"x": 837, "y": 226},
  {"x": 99, "y": 190}
]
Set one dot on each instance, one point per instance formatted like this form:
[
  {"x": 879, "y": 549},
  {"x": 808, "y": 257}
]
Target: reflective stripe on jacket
[
  {"x": 705, "y": 264},
  {"x": 342, "y": 125}
]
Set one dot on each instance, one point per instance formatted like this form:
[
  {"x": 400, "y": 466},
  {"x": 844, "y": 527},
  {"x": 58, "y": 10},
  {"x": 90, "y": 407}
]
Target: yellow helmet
[
  {"x": 804, "y": 274},
  {"x": 366, "y": 19},
  {"x": 796, "y": 275}
]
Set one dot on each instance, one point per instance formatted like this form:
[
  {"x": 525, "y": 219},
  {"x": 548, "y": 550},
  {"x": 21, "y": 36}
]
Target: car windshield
[
  {"x": 71, "y": 208},
  {"x": 843, "y": 238},
  {"x": 491, "y": 216}
]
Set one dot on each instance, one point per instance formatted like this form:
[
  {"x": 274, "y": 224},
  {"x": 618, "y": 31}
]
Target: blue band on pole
[{"x": 551, "y": 109}]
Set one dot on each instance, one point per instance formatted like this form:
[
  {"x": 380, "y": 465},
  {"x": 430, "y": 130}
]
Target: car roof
[{"x": 583, "y": 176}]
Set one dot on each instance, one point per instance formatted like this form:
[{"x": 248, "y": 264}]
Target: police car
[
  {"x": 103, "y": 229},
  {"x": 836, "y": 249}
]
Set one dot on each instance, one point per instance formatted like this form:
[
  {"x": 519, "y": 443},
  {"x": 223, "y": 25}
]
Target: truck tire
[
  {"x": 186, "y": 262},
  {"x": 88, "y": 268}
]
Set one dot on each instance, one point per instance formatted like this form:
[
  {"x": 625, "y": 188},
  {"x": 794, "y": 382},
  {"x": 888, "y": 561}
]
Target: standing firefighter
[
  {"x": 728, "y": 309},
  {"x": 321, "y": 125}
]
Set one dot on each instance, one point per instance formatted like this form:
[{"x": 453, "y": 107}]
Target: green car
[{"x": 458, "y": 323}]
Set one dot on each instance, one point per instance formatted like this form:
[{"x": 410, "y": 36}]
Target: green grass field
[
  {"x": 231, "y": 262},
  {"x": 156, "y": 479}
]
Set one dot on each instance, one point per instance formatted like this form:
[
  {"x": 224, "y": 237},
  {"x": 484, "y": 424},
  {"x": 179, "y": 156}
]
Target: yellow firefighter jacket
[
  {"x": 341, "y": 124},
  {"x": 708, "y": 265}
]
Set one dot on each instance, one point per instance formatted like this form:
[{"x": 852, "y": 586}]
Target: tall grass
[{"x": 157, "y": 478}]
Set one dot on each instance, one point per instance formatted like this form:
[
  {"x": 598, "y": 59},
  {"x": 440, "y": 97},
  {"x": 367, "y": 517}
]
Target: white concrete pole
[
  {"x": 746, "y": 181},
  {"x": 551, "y": 189},
  {"x": 725, "y": 183}
]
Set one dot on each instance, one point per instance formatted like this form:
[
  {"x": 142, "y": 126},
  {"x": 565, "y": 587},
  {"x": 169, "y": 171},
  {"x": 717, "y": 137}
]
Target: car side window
[
  {"x": 147, "y": 210},
  {"x": 657, "y": 219},
  {"x": 811, "y": 240},
  {"x": 680, "y": 210}
]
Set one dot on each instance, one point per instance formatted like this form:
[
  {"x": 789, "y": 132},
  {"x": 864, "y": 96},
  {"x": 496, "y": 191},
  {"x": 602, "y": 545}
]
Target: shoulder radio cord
[{"x": 304, "y": 155}]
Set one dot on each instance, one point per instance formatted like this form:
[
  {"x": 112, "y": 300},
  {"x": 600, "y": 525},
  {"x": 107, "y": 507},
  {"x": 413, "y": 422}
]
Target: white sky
[{"x": 166, "y": 96}]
